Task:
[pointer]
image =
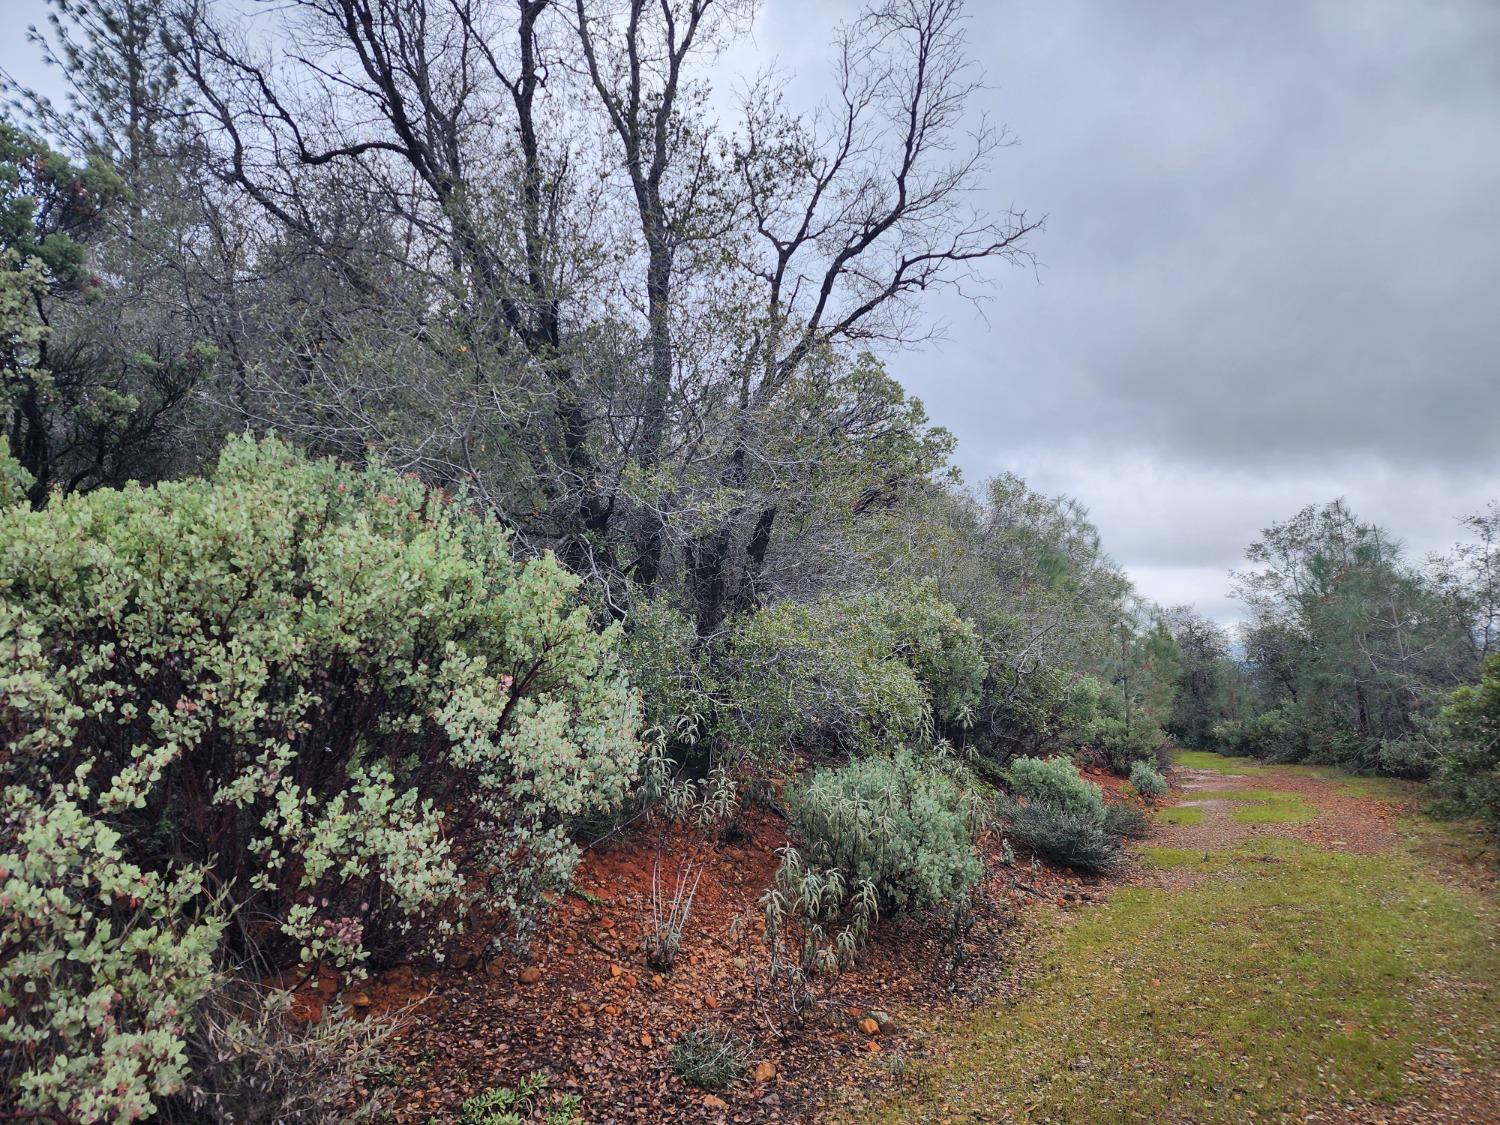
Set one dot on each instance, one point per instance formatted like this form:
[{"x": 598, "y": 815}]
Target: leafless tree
[{"x": 613, "y": 304}]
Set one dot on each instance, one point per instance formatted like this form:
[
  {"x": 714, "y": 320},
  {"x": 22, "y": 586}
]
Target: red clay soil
[{"x": 584, "y": 1007}]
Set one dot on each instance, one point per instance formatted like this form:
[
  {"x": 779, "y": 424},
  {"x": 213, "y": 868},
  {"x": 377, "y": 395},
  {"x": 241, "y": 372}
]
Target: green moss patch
[
  {"x": 1172, "y": 857},
  {"x": 1286, "y": 978},
  {"x": 1180, "y": 814},
  {"x": 1262, "y": 806},
  {"x": 1216, "y": 763}
]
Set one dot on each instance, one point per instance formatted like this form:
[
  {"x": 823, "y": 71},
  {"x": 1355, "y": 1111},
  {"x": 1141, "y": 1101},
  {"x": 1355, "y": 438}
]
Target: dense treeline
[{"x": 1353, "y": 654}]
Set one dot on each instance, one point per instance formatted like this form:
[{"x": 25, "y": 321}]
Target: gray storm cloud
[{"x": 1269, "y": 275}]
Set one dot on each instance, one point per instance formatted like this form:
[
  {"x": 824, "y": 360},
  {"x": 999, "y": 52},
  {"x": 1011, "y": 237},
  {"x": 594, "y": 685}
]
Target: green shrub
[
  {"x": 103, "y": 963},
  {"x": 1119, "y": 745},
  {"x": 1414, "y": 756},
  {"x": 709, "y": 1056},
  {"x": 1467, "y": 771},
  {"x": 1275, "y": 735},
  {"x": 659, "y": 650},
  {"x": 1073, "y": 838},
  {"x": 525, "y": 1103},
  {"x": 942, "y": 649},
  {"x": 1126, "y": 820},
  {"x": 1020, "y": 711},
  {"x": 1056, "y": 781},
  {"x": 323, "y": 699},
  {"x": 687, "y": 772},
  {"x": 1080, "y": 703},
  {"x": 1146, "y": 781},
  {"x": 14, "y": 480},
  {"x": 850, "y": 672},
  {"x": 890, "y": 823}
]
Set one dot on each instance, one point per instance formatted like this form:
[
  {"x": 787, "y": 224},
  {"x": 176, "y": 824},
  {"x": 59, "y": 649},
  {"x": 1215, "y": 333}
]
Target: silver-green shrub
[
  {"x": 322, "y": 700},
  {"x": 103, "y": 962},
  {"x": 1055, "y": 781},
  {"x": 880, "y": 835},
  {"x": 891, "y": 823},
  {"x": 1147, "y": 781}
]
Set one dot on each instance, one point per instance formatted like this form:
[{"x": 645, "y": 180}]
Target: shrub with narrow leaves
[
  {"x": 1057, "y": 782},
  {"x": 1071, "y": 837},
  {"x": 710, "y": 1056},
  {"x": 891, "y": 823},
  {"x": 1146, "y": 781},
  {"x": 876, "y": 836}
]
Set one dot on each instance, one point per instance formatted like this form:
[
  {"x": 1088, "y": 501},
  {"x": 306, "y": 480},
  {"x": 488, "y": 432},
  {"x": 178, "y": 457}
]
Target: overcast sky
[{"x": 1270, "y": 273}]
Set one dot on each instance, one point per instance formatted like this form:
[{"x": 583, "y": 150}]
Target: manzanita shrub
[
  {"x": 294, "y": 711},
  {"x": 102, "y": 962}
]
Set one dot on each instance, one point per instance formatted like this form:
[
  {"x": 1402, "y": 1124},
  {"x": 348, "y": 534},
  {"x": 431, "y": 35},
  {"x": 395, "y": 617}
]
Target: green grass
[
  {"x": 1288, "y": 977},
  {"x": 1217, "y": 763},
  {"x": 1172, "y": 857},
  {"x": 1180, "y": 814},
  {"x": 1354, "y": 785},
  {"x": 1262, "y": 806}
]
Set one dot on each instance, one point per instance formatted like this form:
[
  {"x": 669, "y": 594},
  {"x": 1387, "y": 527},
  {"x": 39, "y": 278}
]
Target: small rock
[
  {"x": 764, "y": 1071},
  {"x": 712, "y": 1101},
  {"x": 529, "y": 975},
  {"x": 880, "y": 1017},
  {"x": 615, "y": 971},
  {"x": 872, "y": 1046},
  {"x": 869, "y": 1026}
]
